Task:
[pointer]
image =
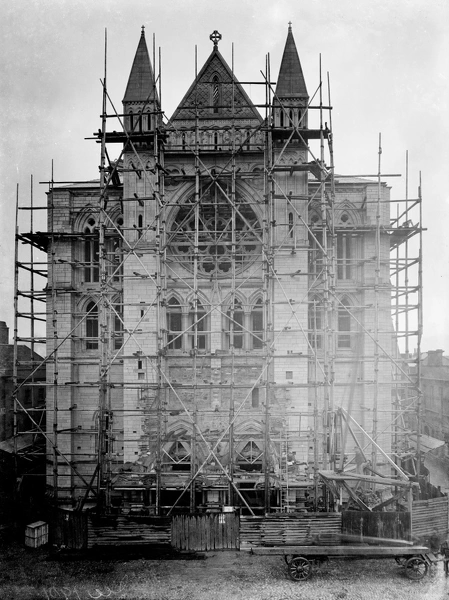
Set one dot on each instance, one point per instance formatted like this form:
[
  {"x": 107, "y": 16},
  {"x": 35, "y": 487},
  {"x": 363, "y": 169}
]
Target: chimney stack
[
  {"x": 435, "y": 358},
  {"x": 4, "y": 333}
]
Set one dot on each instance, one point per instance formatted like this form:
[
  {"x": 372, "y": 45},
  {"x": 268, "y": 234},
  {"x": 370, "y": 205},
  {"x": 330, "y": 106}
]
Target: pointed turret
[
  {"x": 141, "y": 99},
  {"x": 291, "y": 83},
  {"x": 291, "y": 90},
  {"x": 141, "y": 86}
]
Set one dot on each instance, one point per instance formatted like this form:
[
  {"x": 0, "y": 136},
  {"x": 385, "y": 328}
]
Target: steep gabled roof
[
  {"x": 140, "y": 86},
  {"x": 200, "y": 94},
  {"x": 291, "y": 82}
]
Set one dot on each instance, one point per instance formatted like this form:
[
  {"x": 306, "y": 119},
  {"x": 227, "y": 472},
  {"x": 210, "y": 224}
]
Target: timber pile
[
  {"x": 430, "y": 515},
  {"x": 250, "y": 532},
  {"x": 128, "y": 531},
  {"x": 290, "y": 530}
]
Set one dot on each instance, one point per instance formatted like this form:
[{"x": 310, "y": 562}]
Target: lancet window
[
  {"x": 235, "y": 321},
  {"x": 197, "y": 328},
  {"x": 91, "y": 326},
  {"x": 344, "y": 324},
  {"x": 91, "y": 251},
  {"x": 316, "y": 323}
]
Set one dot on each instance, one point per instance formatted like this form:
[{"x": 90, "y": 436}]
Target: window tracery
[
  {"x": 225, "y": 237},
  {"x": 250, "y": 456}
]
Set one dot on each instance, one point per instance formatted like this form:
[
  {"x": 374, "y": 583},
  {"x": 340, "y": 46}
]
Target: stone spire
[
  {"x": 291, "y": 83},
  {"x": 140, "y": 86}
]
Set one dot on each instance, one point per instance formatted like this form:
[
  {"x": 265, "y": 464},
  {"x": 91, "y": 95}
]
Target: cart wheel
[
  {"x": 299, "y": 568},
  {"x": 401, "y": 560},
  {"x": 416, "y": 568}
]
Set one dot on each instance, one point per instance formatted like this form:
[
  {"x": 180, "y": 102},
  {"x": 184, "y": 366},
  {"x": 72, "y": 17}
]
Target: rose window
[{"x": 224, "y": 233}]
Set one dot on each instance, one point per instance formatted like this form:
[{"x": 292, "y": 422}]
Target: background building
[
  {"x": 15, "y": 422},
  {"x": 22, "y": 420},
  {"x": 435, "y": 389}
]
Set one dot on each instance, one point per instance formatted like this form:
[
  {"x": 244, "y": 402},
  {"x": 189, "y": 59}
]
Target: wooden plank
[
  {"x": 201, "y": 524},
  {"x": 220, "y": 532},
  {"x": 237, "y": 531},
  {"x": 193, "y": 534},
  {"x": 210, "y": 525},
  {"x": 431, "y": 514},
  {"x": 214, "y": 532},
  {"x": 224, "y": 529},
  {"x": 358, "y": 551},
  {"x": 288, "y": 528}
]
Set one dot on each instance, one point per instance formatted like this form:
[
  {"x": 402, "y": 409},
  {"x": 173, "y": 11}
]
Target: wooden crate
[{"x": 36, "y": 534}]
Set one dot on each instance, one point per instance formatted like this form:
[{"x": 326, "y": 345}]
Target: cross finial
[
  {"x": 215, "y": 37},
  {"x": 289, "y": 25}
]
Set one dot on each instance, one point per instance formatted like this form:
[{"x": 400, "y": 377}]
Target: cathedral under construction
[{"x": 229, "y": 321}]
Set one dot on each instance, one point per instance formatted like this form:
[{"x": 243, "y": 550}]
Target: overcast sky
[{"x": 387, "y": 62}]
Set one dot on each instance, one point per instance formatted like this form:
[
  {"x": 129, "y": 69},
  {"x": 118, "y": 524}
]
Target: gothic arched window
[
  {"x": 216, "y": 93},
  {"x": 91, "y": 326},
  {"x": 248, "y": 139},
  {"x": 344, "y": 324},
  {"x": 345, "y": 246},
  {"x": 117, "y": 318},
  {"x": 257, "y": 325},
  {"x": 315, "y": 252},
  {"x": 234, "y": 329},
  {"x": 316, "y": 323},
  {"x": 255, "y": 398},
  {"x": 91, "y": 251},
  {"x": 344, "y": 255},
  {"x": 197, "y": 328},
  {"x": 116, "y": 251},
  {"x": 174, "y": 324},
  {"x": 290, "y": 224},
  {"x": 177, "y": 456},
  {"x": 250, "y": 456}
]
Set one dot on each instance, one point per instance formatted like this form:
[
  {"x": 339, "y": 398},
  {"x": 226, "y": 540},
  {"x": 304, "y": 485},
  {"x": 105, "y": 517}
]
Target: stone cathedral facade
[{"x": 215, "y": 300}]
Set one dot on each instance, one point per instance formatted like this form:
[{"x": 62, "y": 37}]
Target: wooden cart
[{"x": 301, "y": 559}]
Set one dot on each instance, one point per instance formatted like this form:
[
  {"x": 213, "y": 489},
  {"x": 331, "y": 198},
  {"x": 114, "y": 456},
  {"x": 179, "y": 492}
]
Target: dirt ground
[{"x": 34, "y": 575}]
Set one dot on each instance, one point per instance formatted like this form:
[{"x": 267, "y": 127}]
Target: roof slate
[
  {"x": 140, "y": 86},
  {"x": 291, "y": 82},
  {"x": 199, "y": 94}
]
